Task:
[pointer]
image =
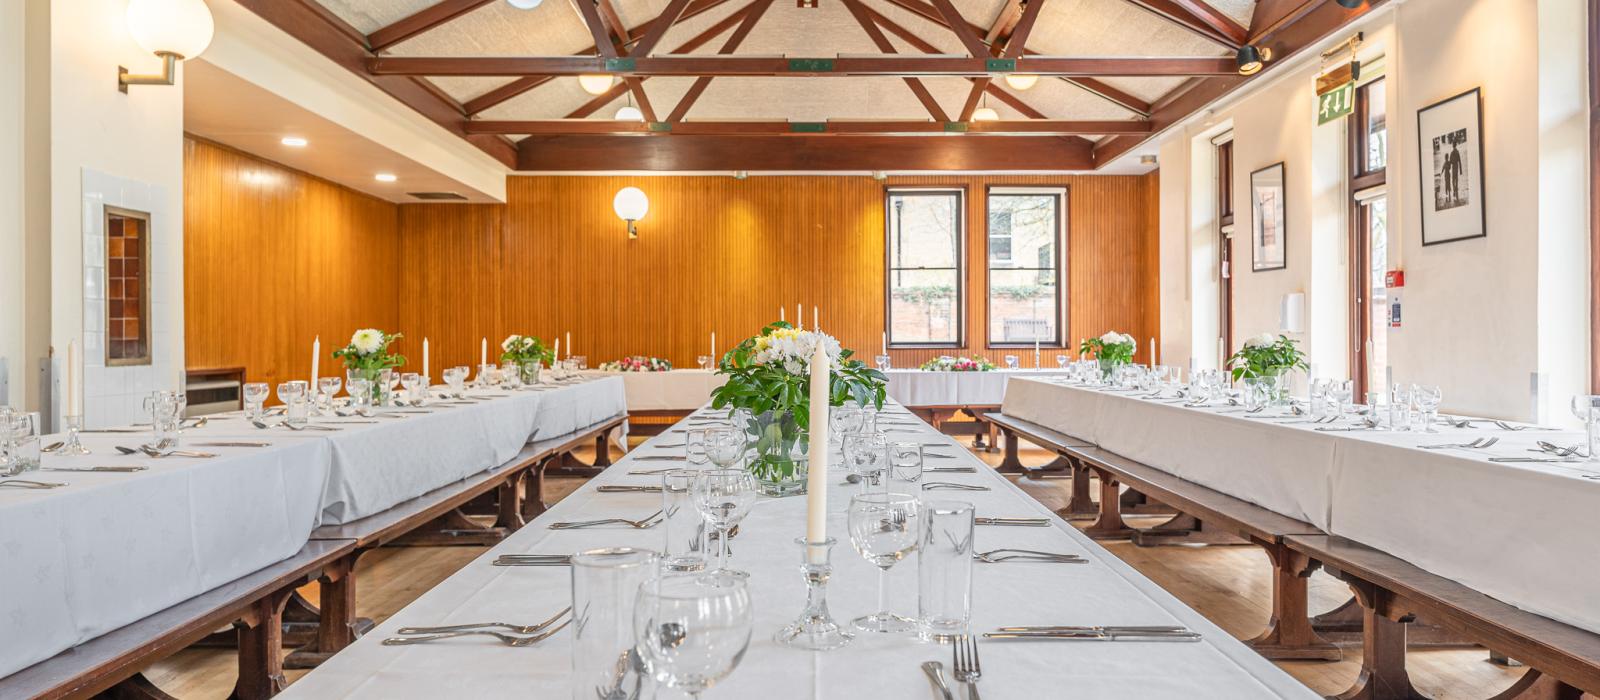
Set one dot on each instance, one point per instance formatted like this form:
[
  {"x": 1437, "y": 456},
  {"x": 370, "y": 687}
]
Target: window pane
[
  {"x": 1376, "y": 213},
  {"x": 1028, "y": 226},
  {"x": 1023, "y": 281},
  {"x": 1376, "y": 126},
  {"x": 127, "y": 329},
  {"x": 1022, "y": 306},
  {"x": 924, "y": 267}
]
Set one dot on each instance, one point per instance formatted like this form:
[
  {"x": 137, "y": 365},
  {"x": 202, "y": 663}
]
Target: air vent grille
[{"x": 439, "y": 196}]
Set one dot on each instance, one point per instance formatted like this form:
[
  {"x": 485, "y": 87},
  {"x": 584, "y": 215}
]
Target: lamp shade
[
  {"x": 1021, "y": 81},
  {"x": 525, "y": 4},
  {"x": 183, "y": 27},
  {"x": 985, "y": 114},
  {"x": 594, "y": 83},
  {"x": 629, "y": 113},
  {"x": 630, "y": 204}
]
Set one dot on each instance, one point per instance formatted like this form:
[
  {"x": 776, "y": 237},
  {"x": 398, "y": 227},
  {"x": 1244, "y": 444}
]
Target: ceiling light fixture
[
  {"x": 524, "y": 4},
  {"x": 1351, "y": 4},
  {"x": 1253, "y": 58},
  {"x": 175, "y": 30},
  {"x": 629, "y": 113},
  {"x": 1021, "y": 81},
  {"x": 294, "y": 141},
  {"x": 984, "y": 113},
  {"x": 741, "y": 174},
  {"x": 385, "y": 177},
  {"x": 631, "y": 205},
  {"x": 1147, "y": 159},
  {"x": 595, "y": 83}
]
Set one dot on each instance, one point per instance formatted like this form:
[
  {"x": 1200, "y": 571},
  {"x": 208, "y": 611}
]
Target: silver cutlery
[
  {"x": 641, "y": 524},
  {"x": 1456, "y": 422},
  {"x": 651, "y": 472},
  {"x": 1515, "y": 428},
  {"x": 1528, "y": 460},
  {"x": 1013, "y": 522},
  {"x": 93, "y": 469},
  {"x": 965, "y": 665},
  {"x": 296, "y": 428},
  {"x": 1098, "y": 635},
  {"x": 507, "y": 639},
  {"x": 659, "y": 458},
  {"x": 514, "y": 629},
  {"x": 1477, "y": 444},
  {"x": 1095, "y": 628},
  {"x": 115, "y": 430},
  {"x": 1559, "y": 451},
  {"x": 997, "y": 556},
  {"x": 149, "y": 451},
  {"x": 951, "y": 486},
  {"x": 234, "y": 444},
  {"x": 26, "y": 484},
  {"x": 532, "y": 560},
  {"x": 951, "y": 470},
  {"x": 935, "y": 671},
  {"x": 614, "y": 488}
]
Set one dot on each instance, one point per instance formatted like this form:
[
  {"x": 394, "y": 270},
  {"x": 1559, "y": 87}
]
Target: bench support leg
[
  {"x": 1010, "y": 464},
  {"x": 338, "y": 625},
  {"x": 135, "y": 687},
  {"x": 1184, "y": 529},
  {"x": 602, "y": 448},
  {"x": 509, "y": 505},
  {"x": 1289, "y": 634},
  {"x": 1135, "y": 503},
  {"x": 533, "y": 492},
  {"x": 260, "y": 648},
  {"x": 1383, "y": 649},
  {"x": 1109, "y": 526},
  {"x": 1537, "y": 686},
  {"x": 1080, "y": 506},
  {"x": 1342, "y": 626}
]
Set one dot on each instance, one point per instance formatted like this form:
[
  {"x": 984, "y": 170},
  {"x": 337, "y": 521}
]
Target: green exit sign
[{"x": 1335, "y": 103}]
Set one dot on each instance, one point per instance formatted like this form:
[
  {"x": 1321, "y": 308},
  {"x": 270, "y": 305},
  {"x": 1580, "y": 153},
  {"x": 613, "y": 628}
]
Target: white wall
[
  {"x": 13, "y": 286},
  {"x": 1481, "y": 317}
]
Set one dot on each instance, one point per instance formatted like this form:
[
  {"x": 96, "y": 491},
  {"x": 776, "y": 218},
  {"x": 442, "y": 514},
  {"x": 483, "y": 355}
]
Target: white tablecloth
[
  {"x": 1106, "y": 591},
  {"x": 111, "y": 548},
  {"x": 1522, "y": 533},
  {"x": 915, "y": 387},
  {"x": 677, "y": 390}
]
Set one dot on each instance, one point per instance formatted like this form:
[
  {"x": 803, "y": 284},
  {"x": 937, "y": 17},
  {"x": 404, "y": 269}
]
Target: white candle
[
  {"x": 316, "y": 361},
  {"x": 814, "y": 324},
  {"x": 781, "y": 317},
  {"x": 425, "y": 375},
  {"x": 483, "y": 351},
  {"x": 1152, "y": 352},
  {"x": 1036, "y": 351},
  {"x": 569, "y": 344},
  {"x": 713, "y": 348},
  {"x": 557, "y": 353},
  {"x": 1222, "y": 353},
  {"x": 799, "y": 321},
  {"x": 885, "y": 343},
  {"x": 817, "y": 477}
]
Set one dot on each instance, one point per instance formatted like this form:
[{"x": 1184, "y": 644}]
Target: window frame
[
  {"x": 1063, "y": 209},
  {"x": 146, "y": 336},
  {"x": 1365, "y": 187},
  {"x": 960, "y": 193},
  {"x": 1225, "y": 229},
  {"x": 1359, "y": 138}
]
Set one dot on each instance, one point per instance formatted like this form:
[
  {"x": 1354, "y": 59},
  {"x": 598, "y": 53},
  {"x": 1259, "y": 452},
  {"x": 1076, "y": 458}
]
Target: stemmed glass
[
  {"x": 456, "y": 377},
  {"x": 884, "y": 529},
  {"x": 905, "y": 462},
  {"x": 866, "y": 455},
  {"x": 255, "y": 396},
  {"x": 724, "y": 497},
  {"x": 413, "y": 383},
  {"x": 882, "y": 362},
  {"x": 844, "y": 421},
  {"x": 327, "y": 388},
  {"x": 1400, "y": 407},
  {"x": 704, "y": 360},
  {"x": 1012, "y": 362},
  {"x": 1427, "y": 398},
  {"x": 725, "y": 447},
  {"x": 1061, "y": 361},
  {"x": 1340, "y": 392},
  {"x": 293, "y": 396},
  {"x": 1587, "y": 409},
  {"x": 695, "y": 447},
  {"x": 693, "y": 629}
]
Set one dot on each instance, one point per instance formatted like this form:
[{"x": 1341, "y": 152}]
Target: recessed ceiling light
[
  {"x": 524, "y": 4},
  {"x": 295, "y": 141},
  {"x": 385, "y": 177}
]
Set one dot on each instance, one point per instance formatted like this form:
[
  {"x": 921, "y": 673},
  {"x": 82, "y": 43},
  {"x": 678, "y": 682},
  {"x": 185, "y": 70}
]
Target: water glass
[
  {"x": 488, "y": 375},
  {"x": 692, "y": 629},
  {"x": 944, "y": 570},
  {"x": 843, "y": 421},
  {"x": 327, "y": 388},
  {"x": 456, "y": 378},
  {"x": 255, "y": 396},
  {"x": 1587, "y": 409},
  {"x": 882, "y": 362},
  {"x": 1319, "y": 396},
  {"x": 725, "y": 447},
  {"x": 605, "y": 587},
  {"x": 416, "y": 387},
  {"x": 1373, "y": 414},
  {"x": 1340, "y": 392},
  {"x": 866, "y": 454},
  {"x": 360, "y": 391},
  {"x": 694, "y": 447},
  {"x": 165, "y": 409},
  {"x": 682, "y": 525},
  {"x": 885, "y": 528},
  {"x": 1426, "y": 397},
  {"x": 19, "y": 443},
  {"x": 724, "y": 497},
  {"x": 510, "y": 375},
  {"x": 1012, "y": 362},
  {"x": 905, "y": 462},
  {"x": 296, "y": 401},
  {"x": 1400, "y": 407}
]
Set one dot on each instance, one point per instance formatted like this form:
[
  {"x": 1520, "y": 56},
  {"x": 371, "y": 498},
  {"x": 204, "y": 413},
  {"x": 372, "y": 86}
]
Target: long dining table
[
  {"x": 1520, "y": 532},
  {"x": 1102, "y": 591},
  {"x": 108, "y": 548}
]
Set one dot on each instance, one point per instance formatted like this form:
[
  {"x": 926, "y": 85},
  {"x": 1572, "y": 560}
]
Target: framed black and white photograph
[
  {"x": 1450, "y": 165},
  {"x": 1269, "y": 227}
]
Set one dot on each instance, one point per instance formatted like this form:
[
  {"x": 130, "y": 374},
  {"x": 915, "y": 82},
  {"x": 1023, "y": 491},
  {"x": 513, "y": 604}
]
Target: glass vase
[
  {"x": 530, "y": 371},
  {"x": 1108, "y": 368},
  {"x": 778, "y": 451},
  {"x": 377, "y": 379}
]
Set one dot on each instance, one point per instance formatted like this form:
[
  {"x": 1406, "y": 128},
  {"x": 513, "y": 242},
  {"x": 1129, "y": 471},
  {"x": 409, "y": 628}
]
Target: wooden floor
[{"x": 1229, "y": 585}]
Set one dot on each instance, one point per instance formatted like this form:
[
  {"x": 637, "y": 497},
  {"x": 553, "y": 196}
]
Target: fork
[
  {"x": 995, "y": 556},
  {"x": 965, "y": 667},
  {"x": 641, "y": 524},
  {"x": 1477, "y": 444},
  {"x": 26, "y": 484},
  {"x": 508, "y": 640},
  {"x": 952, "y": 486},
  {"x": 615, "y": 488},
  {"x": 1559, "y": 451},
  {"x": 514, "y": 629}
]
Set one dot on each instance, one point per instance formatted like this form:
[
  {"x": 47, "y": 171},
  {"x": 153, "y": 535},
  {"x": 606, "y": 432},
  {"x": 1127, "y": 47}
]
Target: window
[
  {"x": 1225, "y": 244},
  {"x": 1026, "y": 231},
  {"x": 1369, "y": 238},
  {"x": 127, "y": 287},
  {"x": 924, "y": 267},
  {"x": 1372, "y": 129}
]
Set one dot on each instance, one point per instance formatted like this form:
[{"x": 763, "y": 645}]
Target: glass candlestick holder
[
  {"x": 73, "y": 446},
  {"x": 815, "y": 629}
]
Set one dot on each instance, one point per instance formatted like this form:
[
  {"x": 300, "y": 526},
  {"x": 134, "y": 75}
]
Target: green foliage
[
  {"x": 371, "y": 363},
  {"x": 522, "y": 355},
  {"x": 1260, "y": 359},
  {"x": 1113, "y": 353},
  {"x": 761, "y": 388}
]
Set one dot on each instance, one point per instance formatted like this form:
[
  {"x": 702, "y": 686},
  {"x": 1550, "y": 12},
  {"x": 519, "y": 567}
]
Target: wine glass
[
  {"x": 1341, "y": 391},
  {"x": 693, "y": 629},
  {"x": 695, "y": 447},
  {"x": 724, "y": 497},
  {"x": 328, "y": 387},
  {"x": 844, "y": 421},
  {"x": 884, "y": 529},
  {"x": 255, "y": 396},
  {"x": 456, "y": 377},
  {"x": 724, "y": 446},
  {"x": 1427, "y": 398},
  {"x": 1061, "y": 361},
  {"x": 905, "y": 462},
  {"x": 1400, "y": 407},
  {"x": 1012, "y": 362},
  {"x": 704, "y": 361},
  {"x": 882, "y": 362},
  {"x": 1587, "y": 409},
  {"x": 866, "y": 454}
]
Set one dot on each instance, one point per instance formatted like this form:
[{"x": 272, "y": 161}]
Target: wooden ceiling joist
[
  {"x": 752, "y": 14},
  {"x": 775, "y": 127},
  {"x": 850, "y": 152},
  {"x": 421, "y": 21},
  {"x": 923, "y": 95},
  {"x": 779, "y": 66},
  {"x": 734, "y": 18},
  {"x": 1007, "y": 42},
  {"x": 1206, "y": 23}
]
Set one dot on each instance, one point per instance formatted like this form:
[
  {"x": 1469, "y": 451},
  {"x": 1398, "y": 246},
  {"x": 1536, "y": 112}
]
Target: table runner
[
  {"x": 1105, "y": 591},
  {"x": 1521, "y": 533}
]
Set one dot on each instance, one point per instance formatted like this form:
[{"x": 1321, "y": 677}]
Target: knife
[{"x": 1020, "y": 522}]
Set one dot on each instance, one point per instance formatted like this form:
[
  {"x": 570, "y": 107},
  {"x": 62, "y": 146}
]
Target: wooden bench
[
  {"x": 111, "y": 663},
  {"x": 940, "y": 418},
  {"x": 1080, "y": 505},
  {"x": 434, "y": 518},
  {"x": 1564, "y": 661}
]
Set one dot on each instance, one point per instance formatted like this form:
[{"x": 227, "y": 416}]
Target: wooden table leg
[
  {"x": 602, "y": 448},
  {"x": 1011, "y": 464},
  {"x": 509, "y": 502},
  {"x": 533, "y": 492},
  {"x": 1383, "y": 649},
  {"x": 1109, "y": 525},
  {"x": 260, "y": 648},
  {"x": 338, "y": 626},
  {"x": 1289, "y": 634},
  {"x": 1081, "y": 505}
]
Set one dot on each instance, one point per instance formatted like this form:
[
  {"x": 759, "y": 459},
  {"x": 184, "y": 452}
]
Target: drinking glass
[
  {"x": 1319, "y": 396},
  {"x": 685, "y": 547},
  {"x": 704, "y": 361},
  {"x": 327, "y": 388},
  {"x": 1341, "y": 391},
  {"x": 488, "y": 375},
  {"x": 866, "y": 454},
  {"x": 255, "y": 396},
  {"x": 1427, "y": 398},
  {"x": 391, "y": 381},
  {"x": 510, "y": 375},
  {"x": 360, "y": 390},
  {"x": 166, "y": 412},
  {"x": 1374, "y": 400},
  {"x": 532, "y": 372},
  {"x": 882, "y": 361},
  {"x": 1255, "y": 394},
  {"x": 885, "y": 528},
  {"x": 725, "y": 447},
  {"x": 905, "y": 462},
  {"x": 724, "y": 497},
  {"x": 944, "y": 570},
  {"x": 456, "y": 377},
  {"x": 1400, "y": 407},
  {"x": 605, "y": 588},
  {"x": 1011, "y": 362},
  {"x": 843, "y": 421},
  {"x": 293, "y": 396},
  {"x": 580, "y": 362},
  {"x": 19, "y": 443},
  {"x": 1587, "y": 409},
  {"x": 692, "y": 629},
  {"x": 1061, "y": 361},
  {"x": 694, "y": 447}
]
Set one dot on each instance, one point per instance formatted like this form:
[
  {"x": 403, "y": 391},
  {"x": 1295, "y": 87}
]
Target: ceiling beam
[
  {"x": 421, "y": 21},
  {"x": 784, "y": 67},
  {"x": 776, "y": 127},
  {"x": 1215, "y": 19},
  {"x": 1272, "y": 14},
  {"x": 1120, "y": 98},
  {"x": 309, "y": 22},
  {"x": 752, "y": 14},
  {"x": 594, "y": 105},
  {"x": 1008, "y": 43},
  {"x": 1285, "y": 40},
  {"x": 862, "y": 152},
  {"x": 859, "y": 11},
  {"x": 1004, "y": 21},
  {"x": 953, "y": 19},
  {"x": 1179, "y": 13},
  {"x": 658, "y": 27},
  {"x": 603, "y": 23}
]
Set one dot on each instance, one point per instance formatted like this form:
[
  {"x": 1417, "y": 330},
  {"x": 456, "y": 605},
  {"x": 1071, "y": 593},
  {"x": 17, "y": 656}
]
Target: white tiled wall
[{"x": 114, "y": 395}]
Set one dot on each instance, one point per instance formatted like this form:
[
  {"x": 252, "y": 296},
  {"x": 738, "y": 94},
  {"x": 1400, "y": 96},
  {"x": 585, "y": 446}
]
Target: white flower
[
  {"x": 1111, "y": 338},
  {"x": 527, "y": 342},
  {"x": 510, "y": 343},
  {"x": 367, "y": 340},
  {"x": 1261, "y": 341}
]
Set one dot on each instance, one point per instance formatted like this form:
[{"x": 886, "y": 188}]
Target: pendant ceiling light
[
  {"x": 1021, "y": 81},
  {"x": 985, "y": 113},
  {"x": 629, "y": 113},
  {"x": 524, "y": 4},
  {"x": 595, "y": 83}
]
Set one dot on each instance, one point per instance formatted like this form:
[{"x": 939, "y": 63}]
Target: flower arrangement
[
  {"x": 946, "y": 363},
  {"x": 1266, "y": 356},
  {"x": 768, "y": 376},
  {"x": 1117, "y": 348},
  {"x": 523, "y": 349},
  {"x": 368, "y": 351},
  {"x": 637, "y": 363}
]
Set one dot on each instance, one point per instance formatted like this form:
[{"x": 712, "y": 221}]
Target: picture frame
[
  {"x": 1269, "y": 245},
  {"x": 1450, "y": 169}
]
